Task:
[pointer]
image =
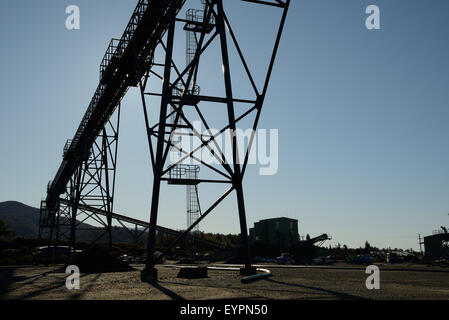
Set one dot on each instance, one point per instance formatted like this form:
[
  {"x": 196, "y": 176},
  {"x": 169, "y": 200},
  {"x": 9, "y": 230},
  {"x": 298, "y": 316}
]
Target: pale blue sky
[{"x": 362, "y": 115}]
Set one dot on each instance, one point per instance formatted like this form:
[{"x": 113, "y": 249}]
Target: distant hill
[{"x": 22, "y": 219}]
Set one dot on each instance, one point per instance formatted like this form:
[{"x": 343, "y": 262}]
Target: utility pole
[{"x": 420, "y": 243}]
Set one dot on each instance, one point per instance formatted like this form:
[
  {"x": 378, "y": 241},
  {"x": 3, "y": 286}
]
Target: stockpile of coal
[{"x": 98, "y": 260}]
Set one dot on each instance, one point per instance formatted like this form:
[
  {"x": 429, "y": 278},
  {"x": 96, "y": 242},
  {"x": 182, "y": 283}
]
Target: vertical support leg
[
  {"x": 150, "y": 272},
  {"x": 136, "y": 235},
  {"x": 237, "y": 177},
  {"x": 248, "y": 270},
  {"x": 58, "y": 227},
  {"x": 108, "y": 191},
  {"x": 74, "y": 199},
  {"x": 50, "y": 237},
  {"x": 41, "y": 222},
  {"x": 39, "y": 235}
]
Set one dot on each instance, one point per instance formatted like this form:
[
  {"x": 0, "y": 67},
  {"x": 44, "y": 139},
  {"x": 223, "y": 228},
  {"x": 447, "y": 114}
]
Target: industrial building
[
  {"x": 277, "y": 232},
  {"x": 437, "y": 245}
]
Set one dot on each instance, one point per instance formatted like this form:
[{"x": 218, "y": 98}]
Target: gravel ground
[{"x": 43, "y": 283}]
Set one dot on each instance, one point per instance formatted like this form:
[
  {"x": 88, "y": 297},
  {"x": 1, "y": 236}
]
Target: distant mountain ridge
[
  {"x": 24, "y": 221},
  {"x": 21, "y": 218}
]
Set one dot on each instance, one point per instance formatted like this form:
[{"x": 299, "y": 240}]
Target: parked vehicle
[
  {"x": 324, "y": 260},
  {"x": 392, "y": 257},
  {"x": 268, "y": 260},
  {"x": 361, "y": 259},
  {"x": 157, "y": 255},
  {"x": 329, "y": 260},
  {"x": 58, "y": 250},
  {"x": 285, "y": 258},
  {"x": 368, "y": 259},
  {"x": 128, "y": 259},
  {"x": 318, "y": 260},
  {"x": 264, "y": 260}
]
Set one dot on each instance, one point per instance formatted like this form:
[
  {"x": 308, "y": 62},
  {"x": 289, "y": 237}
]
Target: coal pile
[{"x": 97, "y": 260}]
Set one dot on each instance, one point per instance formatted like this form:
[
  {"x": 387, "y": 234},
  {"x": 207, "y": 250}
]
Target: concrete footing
[
  {"x": 148, "y": 275},
  {"x": 248, "y": 271}
]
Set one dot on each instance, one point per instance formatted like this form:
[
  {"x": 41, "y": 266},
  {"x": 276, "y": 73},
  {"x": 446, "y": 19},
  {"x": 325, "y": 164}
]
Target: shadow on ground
[
  {"x": 336, "y": 294},
  {"x": 167, "y": 292},
  {"x": 8, "y": 278}
]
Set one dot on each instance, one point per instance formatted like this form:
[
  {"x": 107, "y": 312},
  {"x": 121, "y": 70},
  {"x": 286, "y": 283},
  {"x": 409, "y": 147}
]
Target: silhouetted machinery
[
  {"x": 306, "y": 250},
  {"x": 84, "y": 186}
]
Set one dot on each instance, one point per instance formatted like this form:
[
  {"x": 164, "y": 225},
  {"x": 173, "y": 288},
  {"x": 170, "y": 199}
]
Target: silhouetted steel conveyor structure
[
  {"x": 85, "y": 181},
  {"x": 119, "y": 70}
]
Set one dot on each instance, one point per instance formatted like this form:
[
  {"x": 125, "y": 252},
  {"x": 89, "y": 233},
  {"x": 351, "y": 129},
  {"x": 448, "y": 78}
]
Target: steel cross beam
[{"x": 139, "y": 223}]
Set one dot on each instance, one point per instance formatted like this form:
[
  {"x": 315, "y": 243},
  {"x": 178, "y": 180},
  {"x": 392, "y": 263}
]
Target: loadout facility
[{"x": 282, "y": 232}]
